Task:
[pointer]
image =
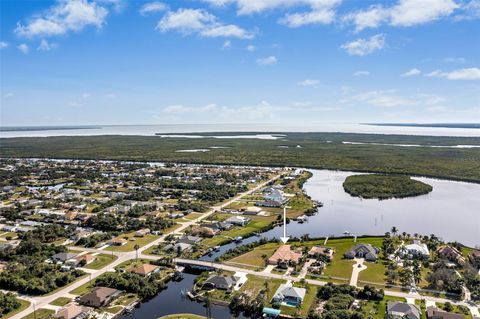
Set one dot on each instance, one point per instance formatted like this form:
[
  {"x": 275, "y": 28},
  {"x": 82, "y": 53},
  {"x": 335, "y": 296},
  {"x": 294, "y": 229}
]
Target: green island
[
  {"x": 343, "y": 151},
  {"x": 382, "y": 186}
]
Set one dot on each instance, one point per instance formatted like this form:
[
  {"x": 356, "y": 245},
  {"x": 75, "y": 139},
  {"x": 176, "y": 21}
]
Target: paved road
[
  {"x": 42, "y": 301},
  {"x": 405, "y": 295}
]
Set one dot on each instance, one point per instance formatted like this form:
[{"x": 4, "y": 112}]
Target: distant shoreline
[
  {"x": 45, "y": 128},
  {"x": 439, "y": 125}
]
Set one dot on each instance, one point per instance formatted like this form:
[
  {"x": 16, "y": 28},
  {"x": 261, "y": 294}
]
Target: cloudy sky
[{"x": 239, "y": 61}]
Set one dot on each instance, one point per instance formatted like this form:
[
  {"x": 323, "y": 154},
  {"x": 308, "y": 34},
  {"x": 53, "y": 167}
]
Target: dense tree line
[
  {"x": 339, "y": 299},
  {"x": 35, "y": 278},
  {"x": 144, "y": 287},
  {"x": 8, "y": 302}
]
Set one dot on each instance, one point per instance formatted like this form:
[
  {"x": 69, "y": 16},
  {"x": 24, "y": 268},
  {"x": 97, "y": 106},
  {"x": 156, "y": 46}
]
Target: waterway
[{"x": 451, "y": 211}]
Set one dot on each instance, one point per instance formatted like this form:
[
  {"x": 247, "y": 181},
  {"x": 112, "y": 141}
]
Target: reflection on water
[
  {"x": 451, "y": 211},
  {"x": 170, "y": 301}
]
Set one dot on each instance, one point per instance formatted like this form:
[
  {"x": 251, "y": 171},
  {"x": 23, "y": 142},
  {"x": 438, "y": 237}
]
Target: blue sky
[{"x": 239, "y": 61}]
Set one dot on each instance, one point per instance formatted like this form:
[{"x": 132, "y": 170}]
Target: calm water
[
  {"x": 170, "y": 301},
  {"x": 451, "y": 211},
  {"x": 304, "y": 127}
]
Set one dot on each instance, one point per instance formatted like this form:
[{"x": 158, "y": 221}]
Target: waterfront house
[
  {"x": 73, "y": 311},
  {"x": 435, "y": 313},
  {"x": 191, "y": 240},
  {"x": 288, "y": 295},
  {"x": 285, "y": 256},
  {"x": 451, "y": 253},
  {"x": 366, "y": 251},
  {"x": 238, "y": 220},
  {"x": 220, "y": 282},
  {"x": 402, "y": 310},
  {"x": 145, "y": 270},
  {"x": 203, "y": 231},
  {"x": 416, "y": 250},
  {"x": 99, "y": 297},
  {"x": 320, "y": 251}
]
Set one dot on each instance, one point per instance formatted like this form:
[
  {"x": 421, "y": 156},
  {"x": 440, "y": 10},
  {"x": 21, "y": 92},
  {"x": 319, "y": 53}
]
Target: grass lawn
[
  {"x": 126, "y": 299},
  {"x": 13, "y": 235},
  {"x": 83, "y": 289},
  {"x": 254, "y": 257},
  {"x": 254, "y": 284},
  {"x": 340, "y": 267},
  {"x": 133, "y": 262},
  {"x": 40, "y": 314},
  {"x": 101, "y": 261},
  {"x": 193, "y": 216},
  {"x": 114, "y": 309},
  {"x": 24, "y": 304},
  {"x": 62, "y": 301},
  {"x": 457, "y": 309},
  {"x": 252, "y": 227},
  {"x": 375, "y": 272},
  {"x": 377, "y": 309},
  {"x": 132, "y": 241}
]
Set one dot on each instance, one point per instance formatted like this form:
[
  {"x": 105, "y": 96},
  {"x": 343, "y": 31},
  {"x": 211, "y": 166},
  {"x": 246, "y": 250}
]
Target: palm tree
[
  {"x": 136, "y": 247},
  {"x": 394, "y": 230}
]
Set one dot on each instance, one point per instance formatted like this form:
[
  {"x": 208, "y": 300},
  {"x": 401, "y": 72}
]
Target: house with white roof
[{"x": 417, "y": 249}]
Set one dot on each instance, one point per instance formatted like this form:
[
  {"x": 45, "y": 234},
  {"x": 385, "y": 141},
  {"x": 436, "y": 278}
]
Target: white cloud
[
  {"x": 66, "y": 16},
  {"x": 370, "y": 18},
  {"x": 361, "y": 47},
  {"x": 411, "y": 72},
  {"x": 8, "y": 95},
  {"x": 458, "y": 60},
  {"x": 267, "y": 61},
  {"x": 460, "y": 74},
  {"x": 405, "y": 13},
  {"x": 199, "y": 21},
  {"x": 251, "y": 48},
  {"x": 153, "y": 7},
  {"x": 319, "y": 11},
  {"x": 45, "y": 46},
  {"x": 382, "y": 99},
  {"x": 471, "y": 11},
  {"x": 86, "y": 95},
  {"x": 3, "y": 45},
  {"x": 299, "y": 19},
  {"x": 23, "y": 48},
  {"x": 413, "y": 12},
  {"x": 227, "y": 45},
  {"x": 308, "y": 82},
  {"x": 361, "y": 73}
]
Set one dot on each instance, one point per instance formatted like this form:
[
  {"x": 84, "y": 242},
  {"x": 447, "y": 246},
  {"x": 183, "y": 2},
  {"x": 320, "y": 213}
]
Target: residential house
[
  {"x": 366, "y": 251},
  {"x": 191, "y": 240},
  {"x": 321, "y": 251},
  {"x": 73, "y": 311},
  {"x": 203, "y": 231},
  {"x": 402, "y": 310},
  {"x": 62, "y": 257},
  {"x": 81, "y": 260},
  {"x": 177, "y": 247},
  {"x": 416, "y": 250},
  {"x": 145, "y": 270},
  {"x": 220, "y": 282},
  {"x": 474, "y": 258},
  {"x": 288, "y": 295},
  {"x": 99, "y": 297},
  {"x": 252, "y": 210},
  {"x": 285, "y": 256},
  {"x": 435, "y": 313},
  {"x": 238, "y": 220},
  {"x": 118, "y": 241},
  {"x": 142, "y": 232},
  {"x": 451, "y": 253}
]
